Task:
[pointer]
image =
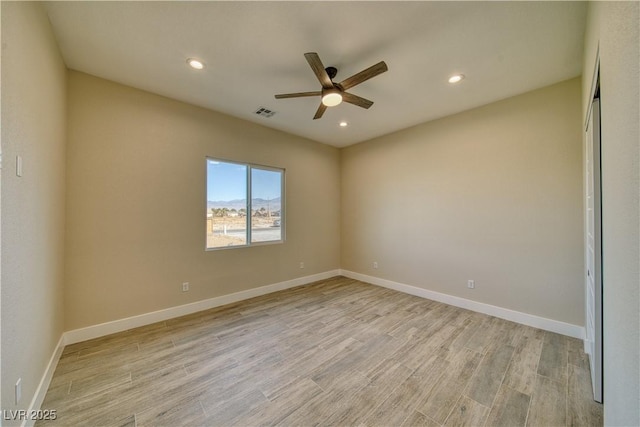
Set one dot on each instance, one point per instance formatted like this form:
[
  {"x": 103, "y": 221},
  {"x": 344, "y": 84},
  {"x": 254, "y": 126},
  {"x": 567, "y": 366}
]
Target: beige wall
[
  {"x": 492, "y": 194},
  {"x": 33, "y": 126},
  {"x": 613, "y": 30},
  {"x": 136, "y": 203}
]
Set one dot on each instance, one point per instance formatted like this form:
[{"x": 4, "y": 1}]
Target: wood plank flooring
[{"x": 335, "y": 352}]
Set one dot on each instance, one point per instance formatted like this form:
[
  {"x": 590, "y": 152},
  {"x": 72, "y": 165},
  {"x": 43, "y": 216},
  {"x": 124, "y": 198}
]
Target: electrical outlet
[
  {"x": 185, "y": 286},
  {"x": 471, "y": 284},
  {"x": 18, "y": 390},
  {"x": 301, "y": 264},
  {"x": 375, "y": 264}
]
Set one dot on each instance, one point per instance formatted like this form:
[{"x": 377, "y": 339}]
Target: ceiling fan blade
[
  {"x": 321, "y": 109},
  {"x": 363, "y": 75},
  {"x": 298, "y": 94},
  {"x": 316, "y": 65},
  {"x": 356, "y": 100}
]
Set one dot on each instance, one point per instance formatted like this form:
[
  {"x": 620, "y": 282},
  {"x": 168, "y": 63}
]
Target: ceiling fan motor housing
[{"x": 331, "y": 71}]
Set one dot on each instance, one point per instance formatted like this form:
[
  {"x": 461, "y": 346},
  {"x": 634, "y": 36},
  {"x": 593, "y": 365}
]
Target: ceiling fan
[{"x": 334, "y": 93}]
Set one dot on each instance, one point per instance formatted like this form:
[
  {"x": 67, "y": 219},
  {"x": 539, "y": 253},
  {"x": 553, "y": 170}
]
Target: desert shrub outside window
[{"x": 245, "y": 204}]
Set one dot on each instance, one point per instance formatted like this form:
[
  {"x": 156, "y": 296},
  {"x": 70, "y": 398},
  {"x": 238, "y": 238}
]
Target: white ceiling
[{"x": 254, "y": 50}]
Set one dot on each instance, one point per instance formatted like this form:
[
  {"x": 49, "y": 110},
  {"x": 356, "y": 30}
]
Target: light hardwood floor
[{"x": 335, "y": 352}]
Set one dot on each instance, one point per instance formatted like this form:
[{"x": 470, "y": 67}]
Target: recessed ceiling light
[
  {"x": 195, "y": 63},
  {"x": 456, "y": 78},
  {"x": 344, "y": 124}
]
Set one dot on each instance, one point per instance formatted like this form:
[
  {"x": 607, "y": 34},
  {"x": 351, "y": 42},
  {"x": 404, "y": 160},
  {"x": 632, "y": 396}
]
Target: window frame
[{"x": 249, "y": 205}]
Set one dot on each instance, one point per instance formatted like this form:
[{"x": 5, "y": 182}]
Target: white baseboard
[
  {"x": 556, "y": 326},
  {"x": 96, "y": 331},
  {"x": 43, "y": 386}
]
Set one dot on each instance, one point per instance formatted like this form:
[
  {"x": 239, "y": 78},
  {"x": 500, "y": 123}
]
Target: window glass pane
[
  {"x": 226, "y": 204},
  {"x": 266, "y": 205}
]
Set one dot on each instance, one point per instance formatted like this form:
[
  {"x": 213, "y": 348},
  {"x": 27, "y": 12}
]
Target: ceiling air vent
[{"x": 264, "y": 112}]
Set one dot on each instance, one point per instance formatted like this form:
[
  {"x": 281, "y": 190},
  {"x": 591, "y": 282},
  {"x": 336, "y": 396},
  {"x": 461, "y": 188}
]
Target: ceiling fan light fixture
[
  {"x": 331, "y": 98},
  {"x": 195, "y": 63}
]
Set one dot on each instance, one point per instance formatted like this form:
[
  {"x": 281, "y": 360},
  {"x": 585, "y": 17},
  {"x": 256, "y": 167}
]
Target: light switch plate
[{"x": 19, "y": 165}]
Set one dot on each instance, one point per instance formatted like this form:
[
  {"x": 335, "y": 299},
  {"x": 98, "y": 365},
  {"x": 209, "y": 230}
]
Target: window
[{"x": 245, "y": 204}]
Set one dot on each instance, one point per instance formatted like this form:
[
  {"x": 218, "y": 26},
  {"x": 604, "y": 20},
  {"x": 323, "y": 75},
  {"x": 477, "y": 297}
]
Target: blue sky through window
[
  {"x": 228, "y": 181},
  {"x": 265, "y": 184}
]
